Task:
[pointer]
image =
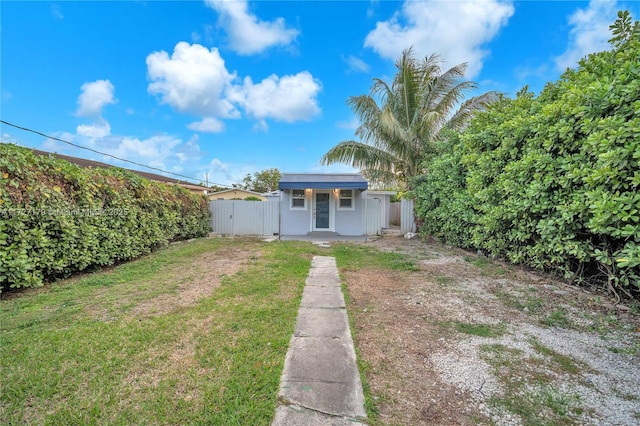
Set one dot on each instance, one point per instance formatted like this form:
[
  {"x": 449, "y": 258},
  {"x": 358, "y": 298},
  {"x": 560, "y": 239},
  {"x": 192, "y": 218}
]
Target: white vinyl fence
[
  {"x": 372, "y": 216},
  {"x": 239, "y": 217},
  {"x": 407, "y": 220}
]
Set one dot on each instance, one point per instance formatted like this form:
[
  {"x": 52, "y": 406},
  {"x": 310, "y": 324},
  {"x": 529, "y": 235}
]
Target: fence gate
[
  {"x": 240, "y": 217},
  {"x": 407, "y": 220},
  {"x": 373, "y": 216}
]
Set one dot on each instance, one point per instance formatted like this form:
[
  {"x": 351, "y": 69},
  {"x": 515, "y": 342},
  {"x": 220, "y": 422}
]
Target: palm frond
[
  {"x": 402, "y": 121},
  {"x": 359, "y": 155},
  {"x": 469, "y": 108},
  {"x": 382, "y": 179}
]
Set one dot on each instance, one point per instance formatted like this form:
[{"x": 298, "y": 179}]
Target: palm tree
[{"x": 414, "y": 112}]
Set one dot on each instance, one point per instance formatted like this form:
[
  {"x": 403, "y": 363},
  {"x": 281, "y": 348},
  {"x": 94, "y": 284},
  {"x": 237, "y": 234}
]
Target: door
[{"x": 322, "y": 211}]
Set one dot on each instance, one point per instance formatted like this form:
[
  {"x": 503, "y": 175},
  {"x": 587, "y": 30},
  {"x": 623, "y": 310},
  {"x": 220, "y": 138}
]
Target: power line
[{"x": 104, "y": 153}]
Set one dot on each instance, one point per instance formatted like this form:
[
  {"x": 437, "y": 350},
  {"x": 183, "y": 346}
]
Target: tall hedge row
[
  {"x": 551, "y": 181},
  {"x": 57, "y": 218}
]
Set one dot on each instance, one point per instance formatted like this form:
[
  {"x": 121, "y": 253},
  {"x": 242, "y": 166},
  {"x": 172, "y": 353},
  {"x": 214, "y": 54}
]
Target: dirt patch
[
  {"x": 465, "y": 340},
  {"x": 395, "y": 339},
  {"x": 204, "y": 275},
  {"x": 178, "y": 286}
]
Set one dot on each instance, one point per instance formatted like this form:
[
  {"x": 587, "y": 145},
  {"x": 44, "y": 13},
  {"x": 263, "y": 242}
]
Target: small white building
[{"x": 333, "y": 203}]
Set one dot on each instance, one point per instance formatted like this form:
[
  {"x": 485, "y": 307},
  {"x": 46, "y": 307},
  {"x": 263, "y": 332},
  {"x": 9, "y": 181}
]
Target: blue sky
[{"x": 227, "y": 88}]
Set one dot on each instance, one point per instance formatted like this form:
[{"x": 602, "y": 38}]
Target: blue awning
[{"x": 323, "y": 181}]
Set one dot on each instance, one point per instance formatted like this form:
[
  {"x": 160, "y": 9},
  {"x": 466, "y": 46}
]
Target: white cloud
[
  {"x": 289, "y": 98},
  {"x": 100, "y": 129},
  {"x": 456, "y": 30},
  {"x": 189, "y": 151},
  {"x": 56, "y": 12},
  {"x": 95, "y": 96},
  {"x": 218, "y": 166},
  {"x": 156, "y": 149},
  {"x": 589, "y": 32},
  {"x": 221, "y": 173},
  {"x": 53, "y": 145},
  {"x": 195, "y": 80},
  {"x": 356, "y": 64},
  {"x": 7, "y": 138},
  {"x": 192, "y": 80},
  {"x": 261, "y": 126},
  {"x": 349, "y": 125},
  {"x": 207, "y": 124},
  {"x": 162, "y": 151},
  {"x": 247, "y": 33},
  {"x": 371, "y": 10}
]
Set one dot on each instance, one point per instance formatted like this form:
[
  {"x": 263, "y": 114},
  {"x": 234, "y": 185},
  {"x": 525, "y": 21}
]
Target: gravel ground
[{"x": 543, "y": 352}]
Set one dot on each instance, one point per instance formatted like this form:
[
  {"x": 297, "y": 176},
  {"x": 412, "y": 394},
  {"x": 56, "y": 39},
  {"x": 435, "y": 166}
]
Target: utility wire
[{"x": 104, "y": 153}]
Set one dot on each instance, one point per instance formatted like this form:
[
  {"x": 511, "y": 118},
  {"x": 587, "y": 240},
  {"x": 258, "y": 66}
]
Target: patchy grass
[
  {"x": 355, "y": 257},
  {"x": 542, "y": 406},
  {"x": 487, "y": 266},
  {"x": 557, "y": 318},
  {"x": 480, "y": 330},
  {"x": 444, "y": 281},
  {"x": 101, "y": 349},
  {"x": 564, "y": 363},
  {"x": 527, "y": 389},
  {"x": 496, "y": 354},
  {"x": 525, "y": 300},
  {"x": 633, "y": 349}
]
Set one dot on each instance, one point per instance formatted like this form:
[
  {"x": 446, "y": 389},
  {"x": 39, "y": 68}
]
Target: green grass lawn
[
  {"x": 133, "y": 345},
  {"x": 113, "y": 347}
]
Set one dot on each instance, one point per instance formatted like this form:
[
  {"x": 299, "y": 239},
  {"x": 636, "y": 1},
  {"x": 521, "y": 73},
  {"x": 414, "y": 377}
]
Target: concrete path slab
[
  {"x": 321, "y": 322},
  {"x": 320, "y": 383},
  {"x": 322, "y": 375},
  {"x": 322, "y": 281},
  {"x": 323, "y": 262},
  {"x": 322, "y": 297},
  {"x": 293, "y": 415}
]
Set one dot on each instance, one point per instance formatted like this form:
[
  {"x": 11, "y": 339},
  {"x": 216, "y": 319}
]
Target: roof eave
[{"x": 324, "y": 185}]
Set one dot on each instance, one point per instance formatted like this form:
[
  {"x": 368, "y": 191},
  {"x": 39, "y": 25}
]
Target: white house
[{"x": 323, "y": 203}]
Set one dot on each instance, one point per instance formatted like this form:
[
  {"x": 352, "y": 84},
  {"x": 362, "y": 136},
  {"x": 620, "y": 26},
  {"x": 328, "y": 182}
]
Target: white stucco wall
[{"x": 299, "y": 222}]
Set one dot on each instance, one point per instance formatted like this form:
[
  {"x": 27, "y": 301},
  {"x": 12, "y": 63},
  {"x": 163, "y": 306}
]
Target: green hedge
[
  {"x": 552, "y": 181},
  {"x": 441, "y": 202},
  {"x": 57, "y": 218}
]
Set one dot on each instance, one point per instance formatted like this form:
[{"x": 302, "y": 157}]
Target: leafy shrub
[
  {"x": 440, "y": 197},
  {"x": 57, "y": 218},
  {"x": 551, "y": 181}
]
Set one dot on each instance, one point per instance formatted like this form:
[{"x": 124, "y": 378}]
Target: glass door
[{"x": 322, "y": 211}]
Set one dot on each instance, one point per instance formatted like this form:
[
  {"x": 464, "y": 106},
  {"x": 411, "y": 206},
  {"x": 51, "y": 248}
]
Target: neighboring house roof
[
  {"x": 375, "y": 192},
  {"x": 323, "y": 181},
  {"x": 236, "y": 190},
  {"x": 82, "y": 162}
]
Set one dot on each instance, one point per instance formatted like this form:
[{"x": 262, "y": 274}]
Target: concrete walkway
[
  {"x": 320, "y": 383},
  {"x": 326, "y": 236}
]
